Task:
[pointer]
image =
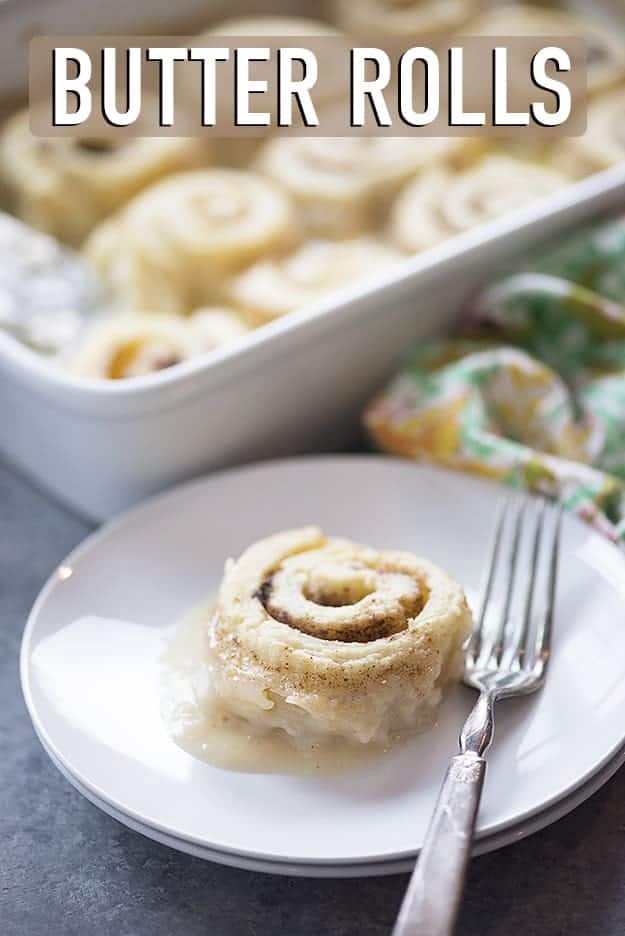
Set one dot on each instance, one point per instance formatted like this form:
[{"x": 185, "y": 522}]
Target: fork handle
[{"x": 430, "y": 906}]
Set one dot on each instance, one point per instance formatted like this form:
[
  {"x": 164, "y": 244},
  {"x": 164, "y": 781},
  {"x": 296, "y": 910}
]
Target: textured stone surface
[{"x": 66, "y": 869}]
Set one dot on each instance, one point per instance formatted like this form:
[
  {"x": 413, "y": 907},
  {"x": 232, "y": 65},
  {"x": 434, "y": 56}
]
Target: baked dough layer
[
  {"x": 66, "y": 185},
  {"x": 122, "y": 346},
  {"x": 272, "y": 288},
  {"x": 441, "y": 203},
  {"x": 172, "y": 247},
  {"x": 322, "y": 637}
]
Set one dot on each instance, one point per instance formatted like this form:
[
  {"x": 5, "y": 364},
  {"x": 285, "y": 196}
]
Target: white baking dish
[{"x": 298, "y": 384}]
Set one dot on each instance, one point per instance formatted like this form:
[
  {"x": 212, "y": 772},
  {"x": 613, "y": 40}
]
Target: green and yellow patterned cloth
[{"x": 532, "y": 390}]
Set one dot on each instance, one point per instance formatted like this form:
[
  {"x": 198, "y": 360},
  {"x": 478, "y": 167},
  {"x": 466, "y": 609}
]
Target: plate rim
[
  {"x": 542, "y": 820},
  {"x": 100, "y": 534}
]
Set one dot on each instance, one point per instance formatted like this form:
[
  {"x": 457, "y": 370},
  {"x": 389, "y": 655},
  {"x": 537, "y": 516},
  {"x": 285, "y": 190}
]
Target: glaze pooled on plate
[{"x": 318, "y": 644}]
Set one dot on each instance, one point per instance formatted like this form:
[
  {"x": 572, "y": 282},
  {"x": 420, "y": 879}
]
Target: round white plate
[
  {"x": 92, "y": 692},
  {"x": 485, "y": 844}
]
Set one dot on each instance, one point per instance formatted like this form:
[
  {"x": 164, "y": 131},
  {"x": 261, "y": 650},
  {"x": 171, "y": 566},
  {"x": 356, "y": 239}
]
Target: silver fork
[{"x": 507, "y": 659}]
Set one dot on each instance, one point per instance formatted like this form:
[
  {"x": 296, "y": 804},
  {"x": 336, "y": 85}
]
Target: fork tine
[
  {"x": 543, "y": 636},
  {"x": 516, "y": 653},
  {"x": 504, "y": 660},
  {"x": 494, "y": 645},
  {"x": 475, "y": 644}
]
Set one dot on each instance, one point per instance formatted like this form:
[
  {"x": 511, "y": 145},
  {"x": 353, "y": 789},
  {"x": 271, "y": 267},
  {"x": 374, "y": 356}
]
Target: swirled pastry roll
[
  {"x": 272, "y": 288},
  {"x": 603, "y": 143},
  {"x": 340, "y": 185},
  {"x": 408, "y": 18},
  {"x": 605, "y": 51},
  {"x": 123, "y": 346},
  {"x": 120, "y": 347},
  {"x": 66, "y": 185},
  {"x": 171, "y": 249},
  {"x": 323, "y": 638},
  {"x": 441, "y": 203}
]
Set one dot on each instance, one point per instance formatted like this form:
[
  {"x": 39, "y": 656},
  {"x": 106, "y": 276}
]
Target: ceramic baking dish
[{"x": 298, "y": 384}]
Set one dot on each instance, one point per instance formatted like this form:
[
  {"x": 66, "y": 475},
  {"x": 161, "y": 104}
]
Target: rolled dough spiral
[
  {"x": 171, "y": 249},
  {"x": 322, "y": 637},
  {"x": 441, "y": 203},
  {"x": 272, "y": 288},
  {"x": 341, "y": 186},
  {"x": 66, "y": 185}
]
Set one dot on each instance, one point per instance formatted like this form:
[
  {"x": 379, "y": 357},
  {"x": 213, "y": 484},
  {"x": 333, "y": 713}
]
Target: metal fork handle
[
  {"x": 432, "y": 901},
  {"x": 430, "y": 906}
]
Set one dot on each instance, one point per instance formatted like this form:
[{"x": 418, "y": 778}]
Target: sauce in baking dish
[{"x": 199, "y": 725}]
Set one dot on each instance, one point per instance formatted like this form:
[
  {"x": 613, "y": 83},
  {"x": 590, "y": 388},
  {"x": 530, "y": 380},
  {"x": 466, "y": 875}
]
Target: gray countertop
[{"x": 66, "y": 869}]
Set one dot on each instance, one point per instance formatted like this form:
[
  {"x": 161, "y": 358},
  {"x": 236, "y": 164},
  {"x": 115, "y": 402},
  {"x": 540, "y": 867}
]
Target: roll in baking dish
[
  {"x": 171, "y": 249},
  {"x": 66, "y": 185}
]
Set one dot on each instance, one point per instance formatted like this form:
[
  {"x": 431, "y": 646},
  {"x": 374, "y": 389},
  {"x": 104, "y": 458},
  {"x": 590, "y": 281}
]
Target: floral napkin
[{"x": 531, "y": 391}]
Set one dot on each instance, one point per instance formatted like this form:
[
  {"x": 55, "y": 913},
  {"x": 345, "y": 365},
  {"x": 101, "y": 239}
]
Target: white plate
[
  {"x": 485, "y": 844},
  {"x": 93, "y": 695}
]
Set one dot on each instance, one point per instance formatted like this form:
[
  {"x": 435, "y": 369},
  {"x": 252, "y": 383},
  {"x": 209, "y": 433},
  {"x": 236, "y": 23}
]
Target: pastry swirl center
[
  {"x": 336, "y": 586},
  {"x": 342, "y": 601}
]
